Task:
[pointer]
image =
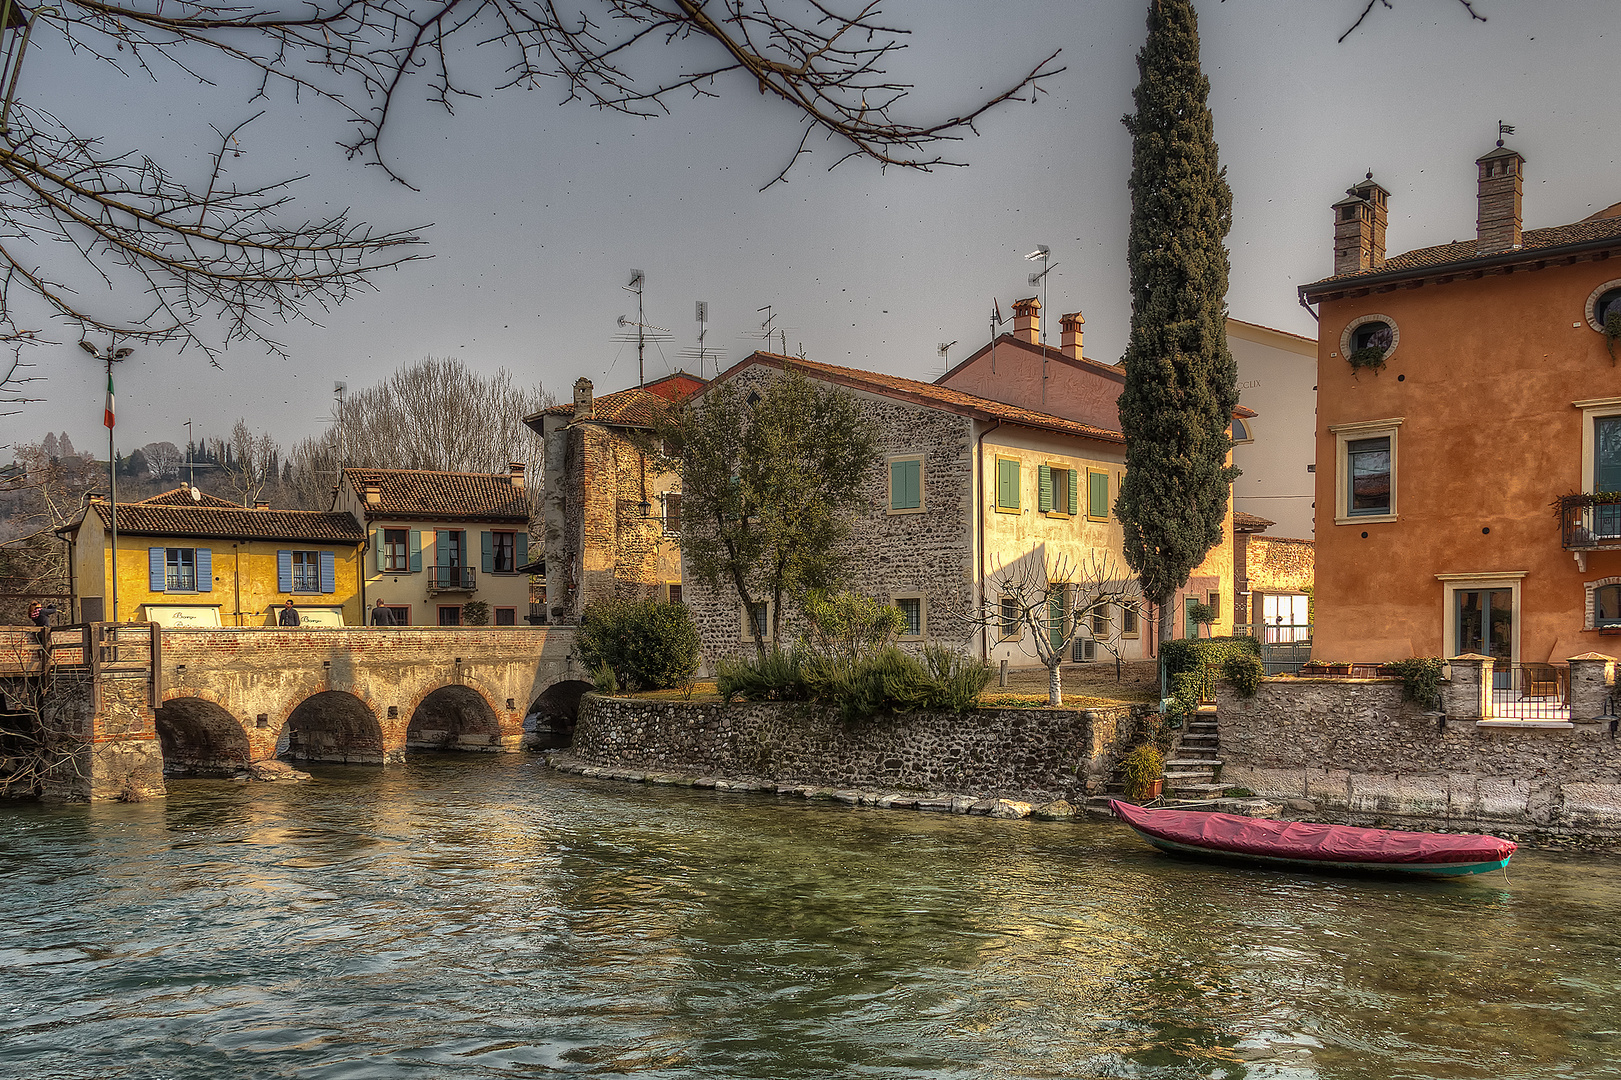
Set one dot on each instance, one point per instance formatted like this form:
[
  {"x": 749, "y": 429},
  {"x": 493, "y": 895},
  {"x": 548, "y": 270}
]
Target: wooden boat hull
[{"x": 1406, "y": 869}]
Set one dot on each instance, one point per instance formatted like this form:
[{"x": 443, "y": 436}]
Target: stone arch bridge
[{"x": 148, "y": 700}]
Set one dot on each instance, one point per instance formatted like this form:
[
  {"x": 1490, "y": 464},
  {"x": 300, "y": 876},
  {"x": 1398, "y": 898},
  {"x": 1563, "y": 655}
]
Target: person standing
[
  {"x": 382, "y": 614},
  {"x": 289, "y": 615}
]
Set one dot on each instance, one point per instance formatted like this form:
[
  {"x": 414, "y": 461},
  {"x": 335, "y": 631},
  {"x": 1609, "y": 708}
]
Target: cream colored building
[
  {"x": 1277, "y": 448},
  {"x": 438, "y": 541}
]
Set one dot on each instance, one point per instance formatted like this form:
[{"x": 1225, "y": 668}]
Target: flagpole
[{"x": 110, "y": 357}]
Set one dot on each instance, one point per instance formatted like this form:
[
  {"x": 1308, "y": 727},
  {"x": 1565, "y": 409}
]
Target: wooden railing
[{"x": 98, "y": 651}]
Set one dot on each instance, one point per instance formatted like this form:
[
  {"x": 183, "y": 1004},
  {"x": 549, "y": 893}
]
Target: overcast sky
[{"x": 540, "y": 210}]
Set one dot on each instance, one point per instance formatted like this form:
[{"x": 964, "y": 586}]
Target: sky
[{"x": 540, "y": 210}]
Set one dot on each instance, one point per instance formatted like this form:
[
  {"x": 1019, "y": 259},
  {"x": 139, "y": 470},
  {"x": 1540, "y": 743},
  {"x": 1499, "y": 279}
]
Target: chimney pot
[
  {"x": 1027, "y": 320},
  {"x": 515, "y": 470},
  {"x": 1070, "y": 343},
  {"x": 374, "y": 493},
  {"x": 582, "y": 399},
  {"x": 1500, "y": 181},
  {"x": 261, "y": 505}
]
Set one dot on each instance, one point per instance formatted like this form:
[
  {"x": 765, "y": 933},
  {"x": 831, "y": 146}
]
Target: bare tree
[
  {"x": 1049, "y": 604},
  {"x": 164, "y": 459},
  {"x": 250, "y": 462},
  {"x": 45, "y": 492}
]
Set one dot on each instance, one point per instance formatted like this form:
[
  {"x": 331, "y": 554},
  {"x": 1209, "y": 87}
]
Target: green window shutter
[
  {"x": 523, "y": 547},
  {"x": 905, "y": 491},
  {"x": 1097, "y": 495},
  {"x": 1045, "y": 498},
  {"x": 441, "y": 547},
  {"x": 1007, "y": 484},
  {"x": 1074, "y": 492},
  {"x": 416, "y": 551},
  {"x": 377, "y": 546},
  {"x": 486, "y": 546}
]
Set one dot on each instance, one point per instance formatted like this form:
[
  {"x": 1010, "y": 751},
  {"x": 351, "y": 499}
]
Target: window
[
  {"x": 1365, "y": 482},
  {"x": 1059, "y": 490},
  {"x": 756, "y": 614},
  {"x": 396, "y": 555},
  {"x": 400, "y": 613},
  {"x": 1007, "y": 485},
  {"x": 1607, "y": 605},
  {"x": 1100, "y": 621},
  {"x": 672, "y": 513},
  {"x": 1241, "y": 431},
  {"x": 1601, "y": 464},
  {"x": 1097, "y": 495},
  {"x": 673, "y": 592},
  {"x": 449, "y": 547},
  {"x": 503, "y": 552},
  {"x": 1010, "y": 617},
  {"x": 1215, "y": 604},
  {"x": 1479, "y": 614},
  {"x": 912, "y": 608},
  {"x": 1603, "y": 302},
  {"x": 1373, "y": 336},
  {"x": 906, "y": 485},
  {"x": 1128, "y": 620},
  {"x": 506, "y": 616},
  {"x": 450, "y": 616},
  {"x": 306, "y": 572},
  {"x": 180, "y": 570}
]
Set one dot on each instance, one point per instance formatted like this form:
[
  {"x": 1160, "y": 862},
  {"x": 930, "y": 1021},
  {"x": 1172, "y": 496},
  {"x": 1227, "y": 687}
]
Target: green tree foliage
[
  {"x": 848, "y": 624},
  {"x": 771, "y": 481},
  {"x": 646, "y": 645},
  {"x": 1181, "y": 385}
]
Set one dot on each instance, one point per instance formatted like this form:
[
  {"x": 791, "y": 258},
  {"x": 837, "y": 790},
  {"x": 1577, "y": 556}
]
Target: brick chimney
[
  {"x": 1027, "y": 320},
  {"x": 1498, "y": 226},
  {"x": 582, "y": 399},
  {"x": 261, "y": 505},
  {"x": 374, "y": 493},
  {"x": 1359, "y": 228},
  {"x": 1070, "y": 343},
  {"x": 515, "y": 470}
]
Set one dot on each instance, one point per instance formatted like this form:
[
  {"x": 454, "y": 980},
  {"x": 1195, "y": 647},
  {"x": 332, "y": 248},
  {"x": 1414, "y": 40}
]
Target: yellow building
[{"x": 189, "y": 559}]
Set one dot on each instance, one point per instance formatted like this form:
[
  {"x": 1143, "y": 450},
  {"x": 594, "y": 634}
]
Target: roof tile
[{"x": 419, "y": 493}]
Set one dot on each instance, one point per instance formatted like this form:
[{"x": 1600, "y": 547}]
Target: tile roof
[
  {"x": 1050, "y": 352},
  {"x": 638, "y": 406},
  {"x": 182, "y": 496},
  {"x": 418, "y": 493},
  {"x": 927, "y": 394},
  {"x": 1243, "y": 522},
  {"x": 230, "y": 522},
  {"x": 1533, "y": 244}
]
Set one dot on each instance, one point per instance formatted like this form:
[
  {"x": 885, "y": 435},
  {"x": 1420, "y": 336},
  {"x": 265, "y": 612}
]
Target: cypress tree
[{"x": 1181, "y": 382}]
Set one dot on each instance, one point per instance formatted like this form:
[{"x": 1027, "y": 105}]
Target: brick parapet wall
[
  {"x": 994, "y": 753},
  {"x": 1362, "y": 754},
  {"x": 1280, "y": 564},
  {"x": 929, "y": 553}
]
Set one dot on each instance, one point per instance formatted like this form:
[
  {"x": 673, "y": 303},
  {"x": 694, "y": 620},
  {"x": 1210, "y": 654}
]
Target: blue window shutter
[
  {"x": 416, "y": 551},
  {"x": 487, "y": 551},
  {"x": 284, "y": 571},
  {"x": 1074, "y": 491},
  {"x": 523, "y": 546},
  {"x": 205, "y": 570},
  {"x": 155, "y": 566},
  {"x": 329, "y": 572},
  {"x": 441, "y": 547},
  {"x": 377, "y": 546},
  {"x": 1045, "y": 498}
]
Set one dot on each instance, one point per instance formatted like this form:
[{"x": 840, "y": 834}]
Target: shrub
[
  {"x": 603, "y": 680},
  {"x": 849, "y": 624},
  {"x": 1244, "y": 672},
  {"x": 1420, "y": 680},
  {"x": 1182, "y": 654},
  {"x": 777, "y": 676},
  {"x": 1140, "y": 768},
  {"x": 648, "y": 645},
  {"x": 884, "y": 682},
  {"x": 1369, "y": 356},
  {"x": 476, "y": 613}
]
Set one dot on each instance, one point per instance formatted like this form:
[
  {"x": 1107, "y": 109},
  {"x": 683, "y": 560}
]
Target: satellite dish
[{"x": 196, "y": 496}]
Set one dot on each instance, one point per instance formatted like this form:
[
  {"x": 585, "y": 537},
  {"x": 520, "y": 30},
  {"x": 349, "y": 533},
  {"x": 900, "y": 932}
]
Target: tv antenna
[
  {"x": 641, "y": 337},
  {"x": 769, "y": 329},
  {"x": 943, "y": 348},
  {"x": 1044, "y": 254},
  {"x": 703, "y": 352},
  {"x": 340, "y": 390}
]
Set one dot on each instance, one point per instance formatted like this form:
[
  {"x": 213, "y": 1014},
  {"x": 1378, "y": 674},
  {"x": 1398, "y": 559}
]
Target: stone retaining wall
[
  {"x": 1026, "y": 754},
  {"x": 1361, "y": 754}
]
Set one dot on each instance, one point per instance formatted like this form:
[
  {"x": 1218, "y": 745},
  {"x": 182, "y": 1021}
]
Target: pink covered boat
[{"x": 1303, "y": 845}]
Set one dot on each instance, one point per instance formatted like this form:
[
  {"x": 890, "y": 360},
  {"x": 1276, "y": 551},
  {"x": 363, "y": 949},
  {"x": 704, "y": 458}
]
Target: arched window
[{"x": 1241, "y": 431}]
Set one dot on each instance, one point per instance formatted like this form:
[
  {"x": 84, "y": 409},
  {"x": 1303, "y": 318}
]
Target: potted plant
[{"x": 1143, "y": 770}]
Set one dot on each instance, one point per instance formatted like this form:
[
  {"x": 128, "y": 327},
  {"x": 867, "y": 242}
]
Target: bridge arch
[
  {"x": 453, "y": 717},
  {"x": 333, "y": 725},
  {"x": 548, "y": 724},
  {"x": 199, "y": 737}
]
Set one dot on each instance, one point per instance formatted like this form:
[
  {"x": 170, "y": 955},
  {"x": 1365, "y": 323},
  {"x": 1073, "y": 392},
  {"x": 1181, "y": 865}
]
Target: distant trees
[
  {"x": 162, "y": 460},
  {"x": 44, "y": 492}
]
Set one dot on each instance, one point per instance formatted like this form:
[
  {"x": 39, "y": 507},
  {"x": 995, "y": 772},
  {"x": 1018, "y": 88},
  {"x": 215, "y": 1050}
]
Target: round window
[
  {"x": 1602, "y": 303},
  {"x": 1368, "y": 341}
]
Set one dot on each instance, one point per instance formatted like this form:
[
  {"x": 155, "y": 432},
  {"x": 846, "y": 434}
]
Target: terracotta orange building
[{"x": 1468, "y": 428}]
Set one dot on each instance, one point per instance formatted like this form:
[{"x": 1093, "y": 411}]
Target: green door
[{"x": 1190, "y": 626}]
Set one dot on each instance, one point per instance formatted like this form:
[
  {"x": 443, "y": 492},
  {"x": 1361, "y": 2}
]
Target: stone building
[
  {"x": 965, "y": 486},
  {"x": 1469, "y": 435},
  {"x": 612, "y": 520},
  {"x": 1273, "y": 583},
  {"x": 440, "y": 540},
  {"x": 1018, "y": 369}
]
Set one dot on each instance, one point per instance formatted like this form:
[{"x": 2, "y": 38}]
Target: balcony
[
  {"x": 443, "y": 579},
  {"x": 1589, "y": 522}
]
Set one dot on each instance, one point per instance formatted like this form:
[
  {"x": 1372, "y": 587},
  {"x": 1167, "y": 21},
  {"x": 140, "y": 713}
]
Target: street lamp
[{"x": 110, "y": 356}]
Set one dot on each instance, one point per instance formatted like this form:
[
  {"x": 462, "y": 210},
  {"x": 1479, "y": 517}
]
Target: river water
[{"x": 475, "y": 916}]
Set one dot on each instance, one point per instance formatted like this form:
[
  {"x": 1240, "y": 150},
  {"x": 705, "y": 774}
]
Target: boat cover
[{"x": 1306, "y": 841}]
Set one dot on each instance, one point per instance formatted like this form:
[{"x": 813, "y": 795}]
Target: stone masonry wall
[
  {"x": 887, "y": 554},
  {"x": 1361, "y": 754},
  {"x": 994, "y": 753}
]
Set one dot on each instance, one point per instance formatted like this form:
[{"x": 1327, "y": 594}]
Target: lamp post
[{"x": 110, "y": 356}]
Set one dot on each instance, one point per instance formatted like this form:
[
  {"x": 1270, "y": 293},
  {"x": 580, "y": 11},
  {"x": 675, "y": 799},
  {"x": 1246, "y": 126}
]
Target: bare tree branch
[{"x": 1468, "y": 5}]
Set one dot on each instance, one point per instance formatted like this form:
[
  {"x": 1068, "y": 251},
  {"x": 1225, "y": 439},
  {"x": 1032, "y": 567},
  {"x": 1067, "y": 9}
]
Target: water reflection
[{"x": 485, "y": 917}]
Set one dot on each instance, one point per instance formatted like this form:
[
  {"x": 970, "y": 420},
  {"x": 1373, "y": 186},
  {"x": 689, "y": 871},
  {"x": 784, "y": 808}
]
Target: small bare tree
[
  {"x": 164, "y": 459},
  {"x": 251, "y": 463},
  {"x": 1049, "y": 604}
]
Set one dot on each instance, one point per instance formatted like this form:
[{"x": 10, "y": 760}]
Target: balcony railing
[
  {"x": 451, "y": 579},
  {"x": 1590, "y": 522}
]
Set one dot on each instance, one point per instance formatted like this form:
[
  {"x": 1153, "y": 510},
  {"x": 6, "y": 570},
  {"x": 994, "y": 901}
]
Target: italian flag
[{"x": 108, "y": 419}]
